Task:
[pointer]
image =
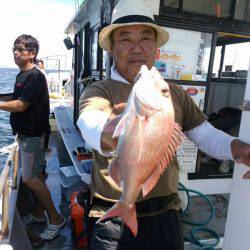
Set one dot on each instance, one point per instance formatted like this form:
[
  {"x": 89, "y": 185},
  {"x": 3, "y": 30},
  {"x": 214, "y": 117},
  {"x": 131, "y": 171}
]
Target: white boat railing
[{"x": 5, "y": 180}]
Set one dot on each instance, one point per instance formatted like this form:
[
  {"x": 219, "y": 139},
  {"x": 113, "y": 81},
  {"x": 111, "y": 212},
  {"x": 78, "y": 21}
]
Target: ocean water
[{"x": 7, "y": 81}]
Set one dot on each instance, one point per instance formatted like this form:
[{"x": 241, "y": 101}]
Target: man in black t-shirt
[
  {"x": 29, "y": 119},
  {"x": 31, "y": 87}
]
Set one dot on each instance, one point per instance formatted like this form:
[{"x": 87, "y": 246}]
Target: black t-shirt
[{"x": 31, "y": 86}]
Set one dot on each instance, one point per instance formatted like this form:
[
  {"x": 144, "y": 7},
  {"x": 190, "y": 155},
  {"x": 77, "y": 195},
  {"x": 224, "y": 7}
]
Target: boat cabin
[{"x": 207, "y": 54}]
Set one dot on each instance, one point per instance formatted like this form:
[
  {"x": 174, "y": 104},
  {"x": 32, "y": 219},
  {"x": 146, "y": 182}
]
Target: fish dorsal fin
[
  {"x": 174, "y": 143},
  {"x": 120, "y": 127}
]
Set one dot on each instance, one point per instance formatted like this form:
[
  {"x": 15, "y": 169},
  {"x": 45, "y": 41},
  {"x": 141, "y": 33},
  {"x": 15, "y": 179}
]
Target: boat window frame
[
  {"x": 164, "y": 9},
  {"x": 165, "y": 23},
  {"x": 230, "y": 25},
  {"x": 77, "y": 73},
  {"x": 93, "y": 33},
  {"x": 96, "y": 73},
  {"x": 86, "y": 55},
  {"x": 177, "y": 25},
  {"x": 220, "y": 78},
  {"x": 192, "y": 25}
]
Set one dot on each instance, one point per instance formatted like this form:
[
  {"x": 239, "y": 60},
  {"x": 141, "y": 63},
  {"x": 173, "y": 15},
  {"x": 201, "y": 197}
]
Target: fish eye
[{"x": 165, "y": 91}]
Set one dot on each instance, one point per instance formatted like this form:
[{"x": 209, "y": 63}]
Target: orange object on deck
[
  {"x": 82, "y": 153},
  {"x": 77, "y": 222}
]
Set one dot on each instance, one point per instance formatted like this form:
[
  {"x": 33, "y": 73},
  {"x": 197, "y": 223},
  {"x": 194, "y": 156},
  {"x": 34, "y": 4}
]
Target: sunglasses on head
[{"x": 20, "y": 49}]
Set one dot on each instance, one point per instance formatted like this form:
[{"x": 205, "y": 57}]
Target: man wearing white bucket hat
[{"x": 132, "y": 39}]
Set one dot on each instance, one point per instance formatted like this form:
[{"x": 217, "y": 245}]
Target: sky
[{"x": 44, "y": 19}]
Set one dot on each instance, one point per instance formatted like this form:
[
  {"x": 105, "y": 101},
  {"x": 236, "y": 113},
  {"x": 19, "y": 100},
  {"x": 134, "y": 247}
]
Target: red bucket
[{"x": 77, "y": 222}]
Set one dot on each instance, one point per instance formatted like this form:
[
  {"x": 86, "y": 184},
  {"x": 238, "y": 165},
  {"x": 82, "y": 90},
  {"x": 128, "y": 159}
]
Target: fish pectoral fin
[
  {"x": 120, "y": 127},
  {"x": 114, "y": 173}
]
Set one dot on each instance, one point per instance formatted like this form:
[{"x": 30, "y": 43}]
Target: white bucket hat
[{"x": 131, "y": 12}]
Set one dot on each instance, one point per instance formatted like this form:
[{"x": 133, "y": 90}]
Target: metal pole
[
  {"x": 238, "y": 216},
  {"x": 59, "y": 76},
  {"x": 5, "y": 211},
  {"x": 5, "y": 172},
  {"x": 15, "y": 170}
]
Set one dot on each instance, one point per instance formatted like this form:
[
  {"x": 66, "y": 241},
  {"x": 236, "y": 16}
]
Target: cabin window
[
  {"x": 217, "y": 8},
  {"x": 235, "y": 61},
  {"x": 83, "y": 47},
  {"x": 171, "y": 4},
  {"x": 235, "y": 57},
  {"x": 217, "y": 58},
  {"x": 94, "y": 47},
  {"x": 185, "y": 56},
  {"x": 104, "y": 63},
  {"x": 242, "y": 10}
]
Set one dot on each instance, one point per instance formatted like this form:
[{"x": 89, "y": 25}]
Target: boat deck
[
  {"x": 60, "y": 156},
  {"x": 57, "y": 158}
]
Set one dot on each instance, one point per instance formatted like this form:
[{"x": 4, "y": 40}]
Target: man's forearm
[
  {"x": 14, "y": 106},
  {"x": 6, "y": 97},
  {"x": 211, "y": 141}
]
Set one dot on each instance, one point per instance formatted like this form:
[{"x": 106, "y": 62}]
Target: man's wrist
[{"x": 237, "y": 146}]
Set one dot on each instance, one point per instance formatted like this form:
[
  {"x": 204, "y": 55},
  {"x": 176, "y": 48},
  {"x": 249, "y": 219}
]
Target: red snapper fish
[{"x": 148, "y": 138}]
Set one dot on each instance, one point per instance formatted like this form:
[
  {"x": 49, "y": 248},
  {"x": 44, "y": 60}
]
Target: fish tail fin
[{"x": 126, "y": 212}]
